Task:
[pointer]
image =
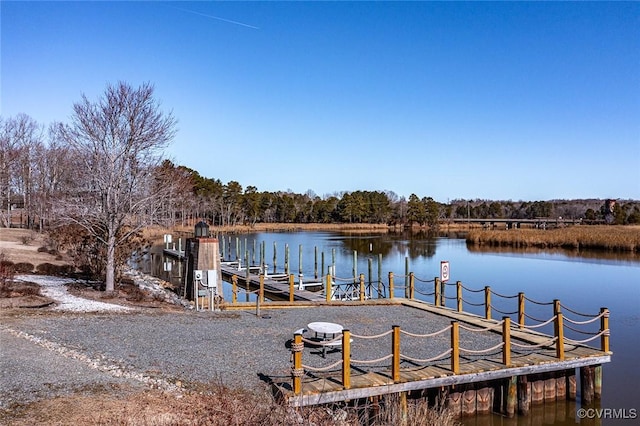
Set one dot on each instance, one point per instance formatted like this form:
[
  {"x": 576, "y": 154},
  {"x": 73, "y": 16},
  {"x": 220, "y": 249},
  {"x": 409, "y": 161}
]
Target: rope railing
[
  {"x": 533, "y": 319},
  {"x": 471, "y": 303},
  {"x": 549, "y": 342},
  {"x": 538, "y": 303},
  {"x": 424, "y": 281},
  {"x": 590, "y": 333},
  {"x": 542, "y": 324},
  {"x": 491, "y": 327},
  {"x": 504, "y": 296},
  {"x": 428, "y": 360},
  {"x": 503, "y": 312},
  {"x": 594, "y": 319},
  {"x": 436, "y": 333},
  {"x": 578, "y": 313},
  {"x": 425, "y": 294},
  {"x": 481, "y": 351},
  {"x": 320, "y": 369},
  {"x": 372, "y": 361},
  {"x": 377, "y": 336},
  {"x": 580, "y": 342}
]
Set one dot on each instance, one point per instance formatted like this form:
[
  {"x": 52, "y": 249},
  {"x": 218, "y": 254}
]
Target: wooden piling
[
  {"x": 328, "y": 288},
  {"x": 234, "y": 289},
  {"x": 487, "y": 302},
  {"x": 455, "y": 347},
  {"x": 469, "y": 402},
  {"x": 597, "y": 381},
  {"x": 587, "y": 384},
  {"x": 506, "y": 340},
  {"x": 436, "y": 289},
  {"x": 604, "y": 329},
  {"x": 454, "y": 403},
  {"x": 459, "y": 295},
  {"x": 572, "y": 385},
  {"x": 521, "y": 310},
  {"x": 561, "y": 386},
  {"x": 524, "y": 395},
  {"x": 550, "y": 388},
  {"x": 362, "y": 288},
  {"x": 512, "y": 396},
  {"x": 291, "y": 288},
  {"x": 484, "y": 400},
  {"x": 537, "y": 391},
  {"x": 391, "y": 288},
  {"x": 411, "y": 286},
  {"x": 297, "y": 348}
]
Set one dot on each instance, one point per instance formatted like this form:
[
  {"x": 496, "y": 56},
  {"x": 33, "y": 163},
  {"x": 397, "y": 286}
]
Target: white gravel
[{"x": 54, "y": 288}]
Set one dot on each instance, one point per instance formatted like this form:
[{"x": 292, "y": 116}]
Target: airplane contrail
[{"x": 217, "y": 18}]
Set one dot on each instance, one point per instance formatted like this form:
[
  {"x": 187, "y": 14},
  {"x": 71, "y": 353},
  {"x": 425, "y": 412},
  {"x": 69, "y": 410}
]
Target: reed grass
[{"x": 612, "y": 238}]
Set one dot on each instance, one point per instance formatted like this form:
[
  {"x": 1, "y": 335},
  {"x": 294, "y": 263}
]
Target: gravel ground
[{"x": 54, "y": 353}]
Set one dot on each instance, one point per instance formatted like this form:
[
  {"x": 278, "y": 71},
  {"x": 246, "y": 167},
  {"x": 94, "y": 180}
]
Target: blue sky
[{"x": 506, "y": 100}]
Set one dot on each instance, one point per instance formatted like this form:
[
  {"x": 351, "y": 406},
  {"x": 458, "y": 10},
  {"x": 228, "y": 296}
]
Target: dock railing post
[
  {"x": 346, "y": 359},
  {"x": 506, "y": 340},
  {"x": 328, "y": 288},
  {"x": 521, "y": 310},
  {"x": 487, "y": 302},
  {"x": 559, "y": 334},
  {"x": 459, "y": 295},
  {"x": 412, "y": 285},
  {"x": 261, "y": 291},
  {"x": 604, "y": 329},
  {"x": 291, "y": 288},
  {"x": 234, "y": 289},
  {"x": 362, "y": 287},
  {"x": 391, "y": 289},
  {"x": 297, "y": 371},
  {"x": 436, "y": 289},
  {"x": 395, "y": 369},
  {"x": 455, "y": 347}
]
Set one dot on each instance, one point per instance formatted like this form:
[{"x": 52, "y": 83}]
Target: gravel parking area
[{"x": 50, "y": 354}]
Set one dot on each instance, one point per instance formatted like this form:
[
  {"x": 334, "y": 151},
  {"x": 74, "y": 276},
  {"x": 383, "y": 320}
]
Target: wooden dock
[{"x": 525, "y": 368}]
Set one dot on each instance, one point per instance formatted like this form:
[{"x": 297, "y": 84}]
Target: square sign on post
[{"x": 444, "y": 271}]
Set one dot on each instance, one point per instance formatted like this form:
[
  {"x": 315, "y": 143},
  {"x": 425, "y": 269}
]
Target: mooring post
[
  {"x": 572, "y": 385},
  {"x": 275, "y": 257},
  {"x": 391, "y": 289},
  {"x": 234, "y": 289},
  {"x": 459, "y": 295},
  {"x": 506, "y": 340},
  {"x": 443, "y": 299},
  {"x": 354, "y": 270},
  {"x": 380, "y": 287},
  {"x": 362, "y": 287},
  {"x": 370, "y": 280},
  {"x": 604, "y": 329},
  {"x": 328, "y": 288},
  {"x": 521, "y": 310},
  {"x": 412, "y": 286},
  {"x": 346, "y": 359},
  {"x": 395, "y": 342},
  {"x": 487, "y": 302},
  {"x": 291, "y": 288},
  {"x": 286, "y": 259},
  {"x": 315, "y": 262},
  {"x": 455, "y": 347},
  {"x": 297, "y": 371},
  {"x": 322, "y": 264},
  {"x": 436, "y": 289},
  {"x": 406, "y": 277}
]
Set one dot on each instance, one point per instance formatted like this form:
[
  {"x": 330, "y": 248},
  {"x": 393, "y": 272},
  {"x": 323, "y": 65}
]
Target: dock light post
[{"x": 201, "y": 230}]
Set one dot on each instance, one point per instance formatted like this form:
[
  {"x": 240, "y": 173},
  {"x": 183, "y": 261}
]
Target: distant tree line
[{"x": 38, "y": 168}]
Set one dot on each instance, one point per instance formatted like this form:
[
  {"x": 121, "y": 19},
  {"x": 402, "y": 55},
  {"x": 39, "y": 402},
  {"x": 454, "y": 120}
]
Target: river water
[{"x": 583, "y": 282}]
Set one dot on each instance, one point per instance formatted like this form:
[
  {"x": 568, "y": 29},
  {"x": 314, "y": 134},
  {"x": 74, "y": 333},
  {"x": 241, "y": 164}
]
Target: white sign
[{"x": 444, "y": 271}]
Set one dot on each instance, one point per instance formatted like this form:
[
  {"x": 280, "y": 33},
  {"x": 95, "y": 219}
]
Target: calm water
[{"x": 583, "y": 283}]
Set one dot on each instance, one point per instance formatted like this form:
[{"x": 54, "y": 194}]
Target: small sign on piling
[{"x": 444, "y": 271}]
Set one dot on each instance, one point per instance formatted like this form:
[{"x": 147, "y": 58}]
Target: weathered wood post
[
  {"x": 587, "y": 384},
  {"x": 597, "y": 381},
  {"x": 455, "y": 347},
  {"x": 506, "y": 340},
  {"x": 362, "y": 288},
  {"x": 370, "y": 281},
  {"x": 391, "y": 289},
  {"x": 412, "y": 285},
  {"x": 395, "y": 343},
  {"x": 286, "y": 259},
  {"x": 300, "y": 260},
  {"x": 521, "y": 310},
  {"x": 315, "y": 262},
  {"x": 436, "y": 290},
  {"x": 297, "y": 347},
  {"x": 406, "y": 277},
  {"x": 487, "y": 302},
  {"x": 524, "y": 395},
  {"x": 355, "y": 265},
  {"x": 291, "y": 288},
  {"x": 322, "y": 264},
  {"x": 261, "y": 291},
  {"x": 234, "y": 289},
  {"x": 380, "y": 287},
  {"x": 328, "y": 288},
  {"x": 512, "y": 396},
  {"x": 604, "y": 329},
  {"x": 459, "y": 295},
  {"x": 559, "y": 335},
  {"x": 346, "y": 359},
  {"x": 275, "y": 257},
  {"x": 443, "y": 299}
]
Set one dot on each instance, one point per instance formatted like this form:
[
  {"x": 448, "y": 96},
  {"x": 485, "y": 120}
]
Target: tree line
[{"x": 103, "y": 177}]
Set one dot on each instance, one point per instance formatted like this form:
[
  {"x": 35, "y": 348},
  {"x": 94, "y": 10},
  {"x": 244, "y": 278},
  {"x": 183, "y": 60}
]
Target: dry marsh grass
[
  {"x": 215, "y": 406},
  {"x": 616, "y": 238}
]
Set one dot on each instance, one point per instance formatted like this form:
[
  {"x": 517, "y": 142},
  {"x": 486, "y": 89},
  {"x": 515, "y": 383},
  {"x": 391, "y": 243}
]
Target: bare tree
[{"x": 118, "y": 141}]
